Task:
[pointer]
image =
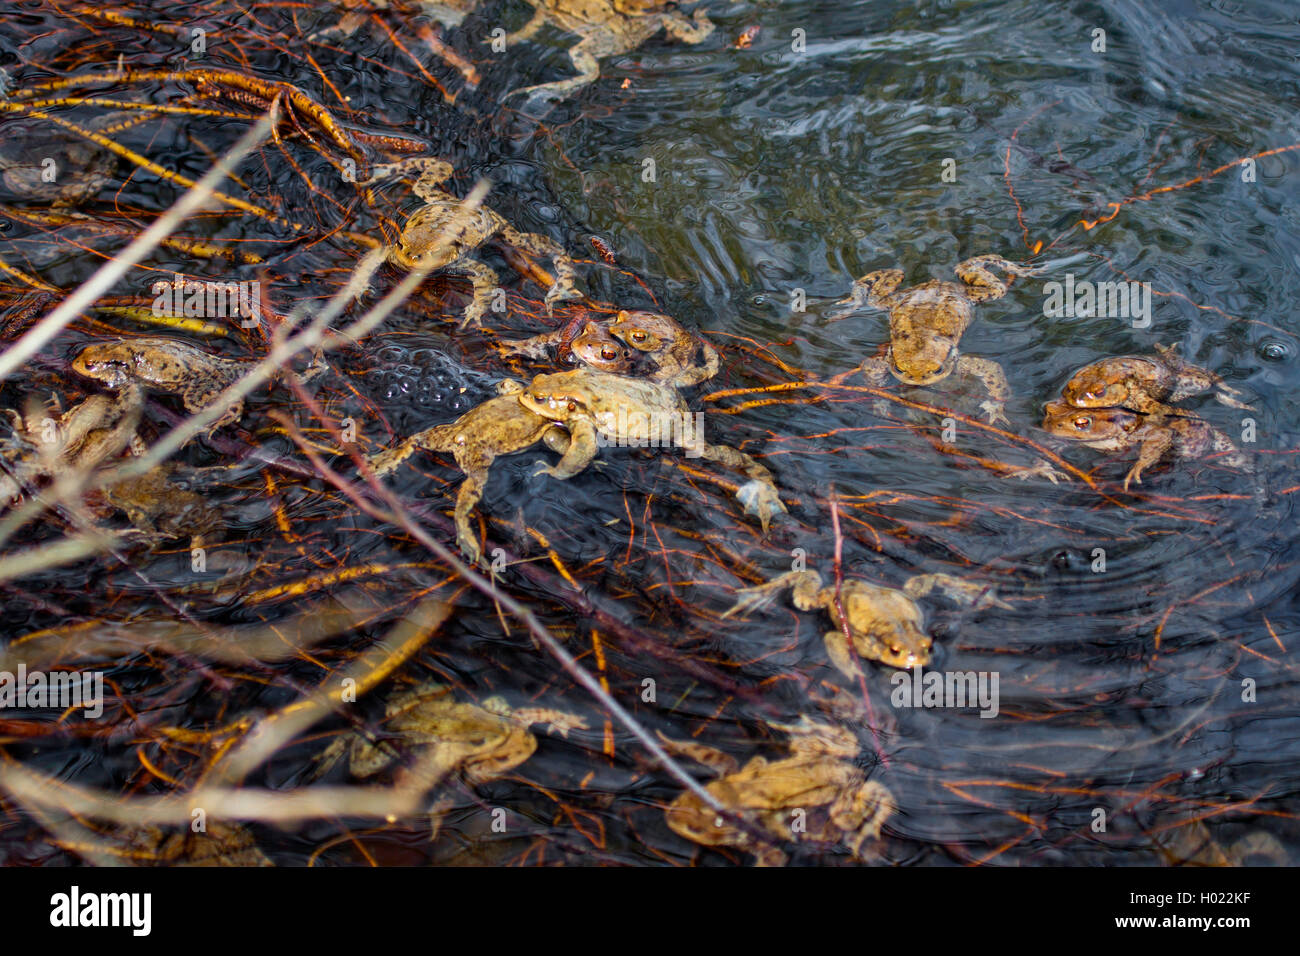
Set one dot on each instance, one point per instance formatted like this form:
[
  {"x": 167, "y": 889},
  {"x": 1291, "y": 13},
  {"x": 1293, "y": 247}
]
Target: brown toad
[
  {"x": 482, "y": 742},
  {"x": 778, "y": 795},
  {"x": 83, "y": 437},
  {"x": 885, "y": 624},
  {"x": 601, "y": 408},
  {"x": 926, "y": 323},
  {"x": 444, "y": 234},
  {"x": 677, "y": 357},
  {"x": 498, "y": 426},
  {"x": 167, "y": 365},
  {"x": 605, "y": 28},
  {"x": 1143, "y": 383},
  {"x": 1154, "y": 435}
]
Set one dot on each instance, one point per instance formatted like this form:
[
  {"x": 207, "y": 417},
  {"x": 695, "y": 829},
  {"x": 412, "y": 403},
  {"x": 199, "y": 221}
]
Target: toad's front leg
[
  {"x": 537, "y": 347},
  {"x": 579, "y": 454},
  {"x": 995, "y": 383},
  {"x": 1151, "y": 451},
  {"x": 874, "y": 370},
  {"x": 861, "y": 812}
]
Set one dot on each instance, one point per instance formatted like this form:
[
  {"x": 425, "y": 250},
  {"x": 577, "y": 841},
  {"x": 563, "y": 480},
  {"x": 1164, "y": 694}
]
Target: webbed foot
[
  {"x": 995, "y": 411},
  {"x": 1039, "y": 469},
  {"x": 760, "y": 498}
]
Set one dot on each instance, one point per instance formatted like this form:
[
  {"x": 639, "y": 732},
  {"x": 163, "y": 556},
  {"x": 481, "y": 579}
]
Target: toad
[
  {"x": 1154, "y": 435},
  {"x": 443, "y": 235},
  {"x": 885, "y": 624},
  {"x": 677, "y": 357},
  {"x": 605, "y": 28},
  {"x": 819, "y": 774},
  {"x": 482, "y": 742},
  {"x": 498, "y": 426},
  {"x": 167, "y": 365},
  {"x": 926, "y": 323},
  {"x": 1144, "y": 383},
  {"x": 635, "y": 412},
  {"x": 79, "y": 439}
]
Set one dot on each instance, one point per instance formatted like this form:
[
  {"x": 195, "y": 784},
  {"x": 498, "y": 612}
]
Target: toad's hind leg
[
  {"x": 759, "y": 495},
  {"x": 970, "y": 593},
  {"x": 981, "y": 284},
  {"x": 438, "y": 438},
  {"x": 471, "y": 491},
  {"x": 197, "y": 399},
  {"x": 994, "y": 381},
  {"x": 717, "y": 761},
  {"x": 528, "y": 30},
  {"x": 584, "y": 61},
  {"x": 566, "y": 275},
  {"x": 861, "y": 812}
]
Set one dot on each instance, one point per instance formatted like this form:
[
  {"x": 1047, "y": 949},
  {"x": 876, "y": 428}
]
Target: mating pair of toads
[{"x": 573, "y": 413}]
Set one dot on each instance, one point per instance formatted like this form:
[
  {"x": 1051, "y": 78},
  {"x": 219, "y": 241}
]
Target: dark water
[{"x": 1159, "y": 692}]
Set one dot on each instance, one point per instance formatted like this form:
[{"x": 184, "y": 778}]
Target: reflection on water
[{"x": 1144, "y": 662}]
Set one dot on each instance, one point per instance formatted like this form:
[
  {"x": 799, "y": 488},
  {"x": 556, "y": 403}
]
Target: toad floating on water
[
  {"x": 677, "y": 357},
  {"x": 1118, "y": 429},
  {"x": 818, "y": 774},
  {"x": 482, "y": 742},
  {"x": 635, "y": 412},
  {"x": 1142, "y": 383},
  {"x": 926, "y": 323},
  {"x": 498, "y": 426},
  {"x": 443, "y": 235},
  {"x": 166, "y": 365},
  {"x": 606, "y": 28},
  {"x": 884, "y": 623}
]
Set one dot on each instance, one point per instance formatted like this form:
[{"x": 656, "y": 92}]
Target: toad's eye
[
  {"x": 608, "y": 354},
  {"x": 639, "y": 336},
  {"x": 573, "y": 407},
  {"x": 538, "y": 397},
  {"x": 1096, "y": 393},
  {"x": 1082, "y": 423}
]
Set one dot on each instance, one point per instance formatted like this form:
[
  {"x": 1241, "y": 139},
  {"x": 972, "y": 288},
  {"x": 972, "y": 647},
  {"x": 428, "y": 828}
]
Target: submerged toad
[
  {"x": 498, "y": 426},
  {"x": 443, "y": 235},
  {"x": 159, "y": 503},
  {"x": 1117, "y": 429},
  {"x": 166, "y": 365},
  {"x": 677, "y": 357},
  {"x": 606, "y": 28},
  {"x": 636, "y": 412},
  {"x": 926, "y": 323},
  {"x": 1143, "y": 383},
  {"x": 884, "y": 623},
  {"x": 819, "y": 774},
  {"x": 57, "y": 166},
  {"x": 81, "y": 438},
  {"x": 482, "y": 742}
]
